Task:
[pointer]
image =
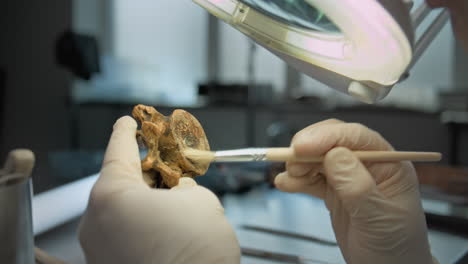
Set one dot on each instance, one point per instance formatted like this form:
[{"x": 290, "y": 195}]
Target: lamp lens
[{"x": 294, "y": 12}]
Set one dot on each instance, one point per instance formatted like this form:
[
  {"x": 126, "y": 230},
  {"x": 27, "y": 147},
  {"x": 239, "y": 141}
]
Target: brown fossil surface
[{"x": 166, "y": 137}]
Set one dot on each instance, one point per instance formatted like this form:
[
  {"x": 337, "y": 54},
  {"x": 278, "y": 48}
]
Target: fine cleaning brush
[{"x": 287, "y": 154}]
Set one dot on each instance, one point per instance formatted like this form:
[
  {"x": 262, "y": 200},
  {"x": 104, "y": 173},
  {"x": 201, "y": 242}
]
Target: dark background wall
[
  {"x": 34, "y": 102},
  {"x": 226, "y": 126}
]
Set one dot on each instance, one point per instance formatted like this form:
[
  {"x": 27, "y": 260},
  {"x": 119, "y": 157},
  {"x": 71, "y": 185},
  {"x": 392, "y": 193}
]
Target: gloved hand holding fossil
[{"x": 128, "y": 222}]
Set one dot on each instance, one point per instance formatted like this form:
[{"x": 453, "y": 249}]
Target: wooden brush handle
[{"x": 287, "y": 154}]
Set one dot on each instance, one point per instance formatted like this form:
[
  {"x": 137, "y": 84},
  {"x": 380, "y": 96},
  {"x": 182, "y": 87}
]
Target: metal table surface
[
  {"x": 306, "y": 215},
  {"x": 261, "y": 207}
]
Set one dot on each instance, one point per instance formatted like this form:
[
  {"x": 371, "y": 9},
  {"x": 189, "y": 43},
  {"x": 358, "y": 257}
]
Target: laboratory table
[{"x": 291, "y": 226}]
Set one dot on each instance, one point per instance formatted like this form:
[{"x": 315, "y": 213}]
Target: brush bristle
[{"x": 199, "y": 156}]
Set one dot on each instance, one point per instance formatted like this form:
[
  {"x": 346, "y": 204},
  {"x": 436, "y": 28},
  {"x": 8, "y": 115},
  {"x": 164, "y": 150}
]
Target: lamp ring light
[{"x": 364, "y": 48}]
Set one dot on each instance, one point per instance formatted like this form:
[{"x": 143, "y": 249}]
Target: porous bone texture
[{"x": 166, "y": 137}]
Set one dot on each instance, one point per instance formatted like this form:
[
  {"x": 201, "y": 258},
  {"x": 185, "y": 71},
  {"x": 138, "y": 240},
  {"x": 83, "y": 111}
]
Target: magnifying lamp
[{"x": 360, "y": 47}]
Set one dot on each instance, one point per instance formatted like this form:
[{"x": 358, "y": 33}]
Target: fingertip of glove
[
  {"x": 279, "y": 180},
  {"x": 311, "y": 144},
  {"x": 185, "y": 183},
  {"x": 125, "y": 122},
  {"x": 340, "y": 159},
  {"x": 338, "y": 152},
  {"x": 302, "y": 144},
  {"x": 299, "y": 169}
]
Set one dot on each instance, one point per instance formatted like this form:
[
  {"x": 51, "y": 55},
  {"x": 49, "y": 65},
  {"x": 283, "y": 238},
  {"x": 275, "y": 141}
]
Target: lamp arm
[{"x": 431, "y": 32}]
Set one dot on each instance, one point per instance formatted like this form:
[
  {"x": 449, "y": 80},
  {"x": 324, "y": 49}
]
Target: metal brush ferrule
[{"x": 241, "y": 155}]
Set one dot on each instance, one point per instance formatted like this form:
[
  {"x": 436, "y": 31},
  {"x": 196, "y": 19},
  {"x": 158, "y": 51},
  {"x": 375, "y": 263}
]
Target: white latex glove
[
  {"x": 128, "y": 222},
  {"x": 375, "y": 208}
]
